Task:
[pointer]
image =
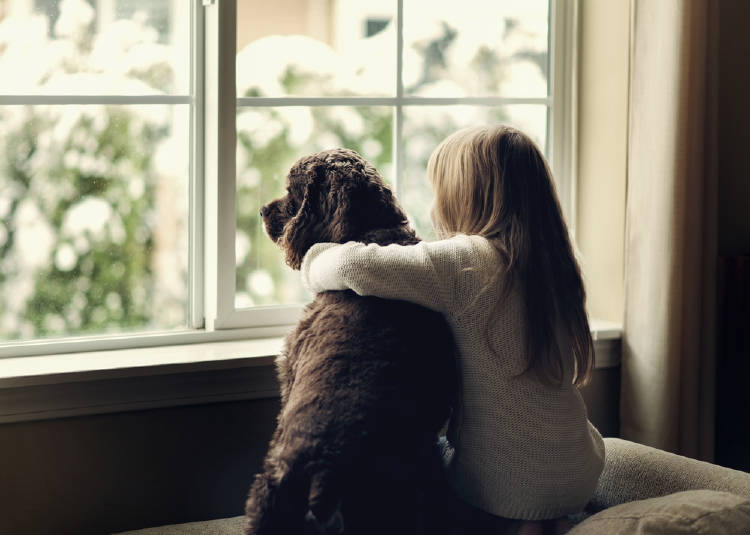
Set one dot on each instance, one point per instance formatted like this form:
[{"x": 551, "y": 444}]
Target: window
[
  {"x": 95, "y": 121},
  {"x": 140, "y": 138}
]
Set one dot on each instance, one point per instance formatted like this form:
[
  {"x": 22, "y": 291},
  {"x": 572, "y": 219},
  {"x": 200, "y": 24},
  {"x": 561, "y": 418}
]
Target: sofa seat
[{"x": 642, "y": 490}]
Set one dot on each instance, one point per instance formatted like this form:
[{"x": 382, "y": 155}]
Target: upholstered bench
[{"x": 642, "y": 490}]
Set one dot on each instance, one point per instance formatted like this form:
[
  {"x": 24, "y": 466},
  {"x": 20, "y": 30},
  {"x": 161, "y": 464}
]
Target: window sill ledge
[
  {"x": 128, "y": 363},
  {"x": 78, "y": 384}
]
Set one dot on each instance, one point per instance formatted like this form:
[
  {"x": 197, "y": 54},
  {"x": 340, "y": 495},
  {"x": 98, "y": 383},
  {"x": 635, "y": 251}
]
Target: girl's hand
[{"x": 320, "y": 268}]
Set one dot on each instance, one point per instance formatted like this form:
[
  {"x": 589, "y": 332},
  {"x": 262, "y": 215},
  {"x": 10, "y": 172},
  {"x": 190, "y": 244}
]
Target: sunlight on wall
[{"x": 603, "y": 116}]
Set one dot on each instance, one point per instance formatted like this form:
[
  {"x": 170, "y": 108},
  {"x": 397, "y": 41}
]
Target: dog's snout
[{"x": 263, "y": 211}]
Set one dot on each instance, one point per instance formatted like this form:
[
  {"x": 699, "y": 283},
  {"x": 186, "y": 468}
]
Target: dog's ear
[
  {"x": 341, "y": 203},
  {"x": 304, "y": 229}
]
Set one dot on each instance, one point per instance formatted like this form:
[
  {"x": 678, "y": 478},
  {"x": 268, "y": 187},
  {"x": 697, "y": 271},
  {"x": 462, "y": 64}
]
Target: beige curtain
[{"x": 670, "y": 244}]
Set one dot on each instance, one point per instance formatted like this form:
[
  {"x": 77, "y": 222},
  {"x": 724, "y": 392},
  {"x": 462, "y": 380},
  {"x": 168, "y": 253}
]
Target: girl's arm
[{"x": 425, "y": 273}]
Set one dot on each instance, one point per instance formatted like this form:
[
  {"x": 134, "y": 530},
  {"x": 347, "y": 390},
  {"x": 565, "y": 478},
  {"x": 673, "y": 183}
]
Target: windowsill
[
  {"x": 124, "y": 363},
  {"x": 77, "y": 384}
]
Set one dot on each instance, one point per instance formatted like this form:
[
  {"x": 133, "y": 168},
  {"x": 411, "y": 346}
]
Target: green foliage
[{"x": 105, "y": 280}]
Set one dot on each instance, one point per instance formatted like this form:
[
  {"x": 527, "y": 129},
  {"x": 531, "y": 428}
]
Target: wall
[
  {"x": 602, "y": 397},
  {"x": 115, "y": 472},
  {"x": 602, "y": 140}
]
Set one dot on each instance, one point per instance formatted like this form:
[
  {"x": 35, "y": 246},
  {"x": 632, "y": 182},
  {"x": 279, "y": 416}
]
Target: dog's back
[
  {"x": 366, "y": 383},
  {"x": 371, "y": 383}
]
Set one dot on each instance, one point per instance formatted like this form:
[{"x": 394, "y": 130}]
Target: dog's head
[{"x": 332, "y": 196}]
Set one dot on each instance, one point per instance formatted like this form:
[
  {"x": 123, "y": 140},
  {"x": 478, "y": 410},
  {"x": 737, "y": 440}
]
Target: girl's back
[{"x": 523, "y": 449}]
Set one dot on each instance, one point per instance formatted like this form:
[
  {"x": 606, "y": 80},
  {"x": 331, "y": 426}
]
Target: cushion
[
  {"x": 224, "y": 526},
  {"x": 636, "y": 472},
  {"x": 697, "y": 512}
]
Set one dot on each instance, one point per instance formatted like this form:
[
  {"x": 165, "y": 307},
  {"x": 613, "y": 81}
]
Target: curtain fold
[{"x": 668, "y": 370}]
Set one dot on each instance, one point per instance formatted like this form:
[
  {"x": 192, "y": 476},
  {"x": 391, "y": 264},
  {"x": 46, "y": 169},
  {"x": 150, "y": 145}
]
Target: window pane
[
  {"x": 475, "y": 48},
  {"x": 93, "y": 219},
  {"x": 269, "y": 141},
  {"x": 314, "y": 48},
  {"x": 121, "y": 47},
  {"x": 426, "y": 126}
]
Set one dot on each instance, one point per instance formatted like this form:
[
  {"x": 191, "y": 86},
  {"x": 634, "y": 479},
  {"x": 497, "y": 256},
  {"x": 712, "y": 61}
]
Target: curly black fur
[{"x": 366, "y": 383}]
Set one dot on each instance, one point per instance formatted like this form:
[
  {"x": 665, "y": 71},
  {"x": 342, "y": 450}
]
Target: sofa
[{"x": 642, "y": 490}]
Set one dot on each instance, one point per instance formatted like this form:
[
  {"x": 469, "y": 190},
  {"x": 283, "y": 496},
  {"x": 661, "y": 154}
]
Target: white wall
[{"x": 602, "y": 152}]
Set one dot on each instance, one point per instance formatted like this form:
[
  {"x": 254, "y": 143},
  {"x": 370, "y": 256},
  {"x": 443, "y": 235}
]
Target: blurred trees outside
[{"x": 91, "y": 200}]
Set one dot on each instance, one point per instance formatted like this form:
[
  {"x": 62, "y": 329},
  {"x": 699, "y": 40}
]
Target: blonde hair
[
  {"x": 463, "y": 173},
  {"x": 494, "y": 181}
]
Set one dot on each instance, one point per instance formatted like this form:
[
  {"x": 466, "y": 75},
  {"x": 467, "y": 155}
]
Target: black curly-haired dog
[{"x": 366, "y": 383}]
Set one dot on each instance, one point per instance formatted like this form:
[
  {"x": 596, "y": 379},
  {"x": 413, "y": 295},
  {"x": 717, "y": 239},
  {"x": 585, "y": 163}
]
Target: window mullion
[
  {"x": 562, "y": 127},
  {"x": 398, "y": 152},
  {"x": 196, "y": 225},
  {"x": 220, "y": 146}
]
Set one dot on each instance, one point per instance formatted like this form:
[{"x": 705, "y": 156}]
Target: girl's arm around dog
[{"x": 438, "y": 275}]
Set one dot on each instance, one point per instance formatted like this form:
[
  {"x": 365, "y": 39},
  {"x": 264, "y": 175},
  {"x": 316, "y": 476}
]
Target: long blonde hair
[{"x": 493, "y": 181}]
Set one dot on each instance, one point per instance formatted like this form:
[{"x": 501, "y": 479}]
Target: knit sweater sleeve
[{"x": 425, "y": 273}]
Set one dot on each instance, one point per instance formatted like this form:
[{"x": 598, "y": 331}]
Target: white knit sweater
[{"x": 522, "y": 450}]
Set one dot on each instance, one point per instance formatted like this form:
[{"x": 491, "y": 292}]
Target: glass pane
[
  {"x": 426, "y": 126},
  {"x": 269, "y": 141},
  {"x": 475, "y": 48},
  {"x": 93, "y": 219},
  {"x": 119, "y": 47},
  {"x": 313, "y": 49}
]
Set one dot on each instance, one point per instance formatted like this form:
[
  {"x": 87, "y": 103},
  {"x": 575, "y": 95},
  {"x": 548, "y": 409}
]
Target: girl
[{"x": 505, "y": 277}]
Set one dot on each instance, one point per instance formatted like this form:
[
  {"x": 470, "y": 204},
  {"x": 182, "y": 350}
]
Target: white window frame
[
  {"x": 212, "y": 315},
  {"x": 221, "y": 18}
]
